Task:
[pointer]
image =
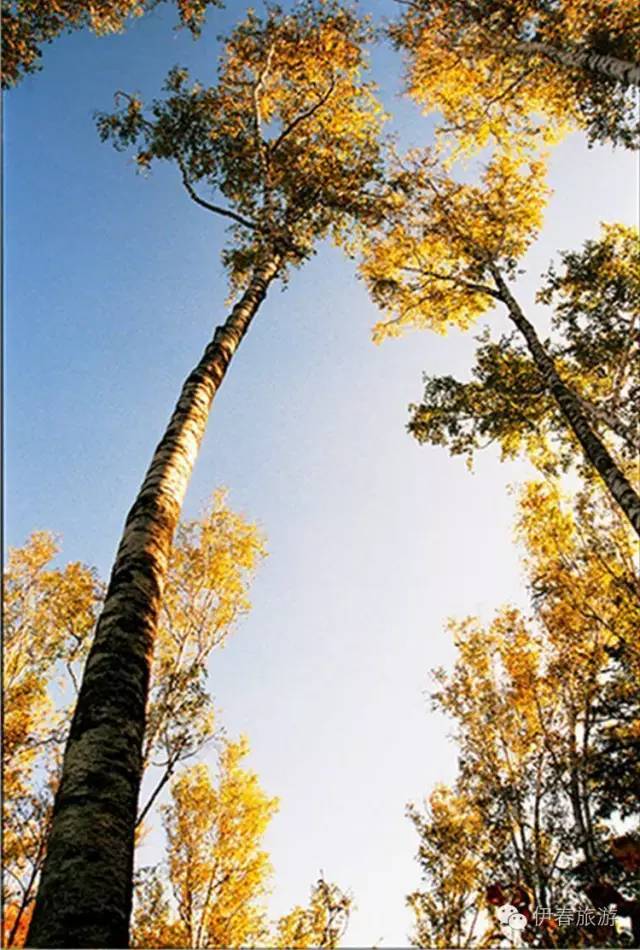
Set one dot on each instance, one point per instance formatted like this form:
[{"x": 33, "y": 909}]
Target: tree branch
[
  {"x": 306, "y": 114},
  {"x": 216, "y": 209},
  {"x": 461, "y": 282},
  {"x": 161, "y": 784}
]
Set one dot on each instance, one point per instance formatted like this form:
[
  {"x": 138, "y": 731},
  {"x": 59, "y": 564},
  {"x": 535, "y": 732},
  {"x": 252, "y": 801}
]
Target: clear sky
[{"x": 113, "y": 284}]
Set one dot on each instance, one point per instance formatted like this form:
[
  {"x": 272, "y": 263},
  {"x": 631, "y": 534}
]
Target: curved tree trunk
[
  {"x": 570, "y": 407},
  {"x": 85, "y": 892},
  {"x": 608, "y": 66}
]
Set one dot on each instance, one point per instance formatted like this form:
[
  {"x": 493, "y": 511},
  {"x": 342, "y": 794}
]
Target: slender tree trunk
[
  {"x": 607, "y": 418},
  {"x": 27, "y": 894},
  {"x": 570, "y": 408},
  {"x": 168, "y": 772},
  {"x": 577, "y": 801},
  {"x": 608, "y": 66},
  {"x": 85, "y": 892}
]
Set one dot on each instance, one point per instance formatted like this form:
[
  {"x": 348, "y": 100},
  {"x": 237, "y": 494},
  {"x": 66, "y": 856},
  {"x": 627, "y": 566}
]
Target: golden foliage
[
  {"x": 321, "y": 924},
  {"x": 213, "y": 892},
  {"x": 28, "y": 24},
  {"x": 509, "y": 75},
  {"x": 429, "y": 267},
  {"x": 287, "y": 139},
  {"x": 49, "y": 615},
  {"x": 217, "y": 868},
  {"x": 211, "y": 566},
  {"x": 452, "y": 836},
  {"x": 546, "y": 713}
]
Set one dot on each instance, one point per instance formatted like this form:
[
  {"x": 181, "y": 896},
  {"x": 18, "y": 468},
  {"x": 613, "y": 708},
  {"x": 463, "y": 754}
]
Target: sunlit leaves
[
  {"x": 27, "y": 25},
  {"x": 451, "y": 833},
  {"x": 514, "y": 73},
  {"x": 596, "y": 299},
  {"x": 545, "y": 711},
  {"x": 287, "y": 140},
  {"x": 48, "y": 617},
  {"x": 217, "y": 866},
  {"x": 210, "y": 891},
  {"x": 583, "y": 569},
  {"x": 429, "y": 264},
  {"x": 321, "y": 923},
  {"x": 211, "y": 566}
]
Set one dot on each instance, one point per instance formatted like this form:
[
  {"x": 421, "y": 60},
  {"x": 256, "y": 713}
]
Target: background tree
[
  {"x": 322, "y": 923},
  {"x": 445, "y": 254},
  {"x": 514, "y": 72},
  {"x": 526, "y": 695},
  {"x": 216, "y": 874},
  {"x": 503, "y": 770},
  {"x": 583, "y": 572},
  {"x": 211, "y": 566},
  {"x": 27, "y": 25},
  {"x": 596, "y": 300},
  {"x": 217, "y": 868},
  {"x": 289, "y": 139},
  {"x": 447, "y": 912},
  {"x": 49, "y": 616}
]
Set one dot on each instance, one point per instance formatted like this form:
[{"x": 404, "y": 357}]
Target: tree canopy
[
  {"x": 445, "y": 252},
  {"x": 288, "y": 139},
  {"x": 523, "y": 72},
  {"x": 532, "y": 822},
  {"x": 27, "y": 25},
  {"x": 595, "y": 295}
]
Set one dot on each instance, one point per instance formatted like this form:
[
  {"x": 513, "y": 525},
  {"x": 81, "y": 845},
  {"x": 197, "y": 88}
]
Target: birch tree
[
  {"x": 287, "y": 141},
  {"x": 595, "y": 296},
  {"x": 447, "y": 253},
  {"x": 532, "y": 821},
  {"x": 511, "y": 72},
  {"x": 210, "y": 890}
]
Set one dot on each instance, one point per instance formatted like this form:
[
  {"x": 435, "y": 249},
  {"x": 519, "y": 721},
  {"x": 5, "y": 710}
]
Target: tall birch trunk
[
  {"x": 608, "y": 66},
  {"x": 85, "y": 892},
  {"x": 570, "y": 407}
]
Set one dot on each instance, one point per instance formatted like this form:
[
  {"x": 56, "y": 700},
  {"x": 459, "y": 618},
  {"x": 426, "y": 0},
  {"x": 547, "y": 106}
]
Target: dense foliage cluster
[
  {"x": 546, "y": 709},
  {"x": 27, "y": 25}
]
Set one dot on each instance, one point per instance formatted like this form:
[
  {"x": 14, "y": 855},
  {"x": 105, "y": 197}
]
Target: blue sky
[{"x": 113, "y": 284}]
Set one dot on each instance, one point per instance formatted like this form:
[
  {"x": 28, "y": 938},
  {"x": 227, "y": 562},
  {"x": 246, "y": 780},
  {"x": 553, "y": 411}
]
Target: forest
[{"x": 321, "y": 594}]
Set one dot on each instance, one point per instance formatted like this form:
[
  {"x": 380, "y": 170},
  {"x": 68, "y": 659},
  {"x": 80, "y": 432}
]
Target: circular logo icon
[
  {"x": 505, "y": 912},
  {"x": 517, "y": 922},
  {"x": 512, "y": 921}
]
